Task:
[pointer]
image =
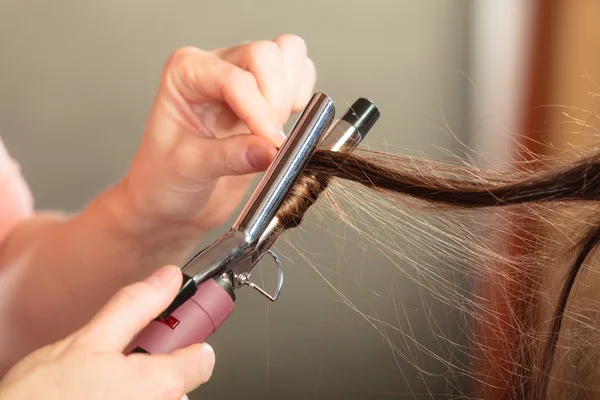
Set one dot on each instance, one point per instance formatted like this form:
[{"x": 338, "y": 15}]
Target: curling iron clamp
[{"x": 210, "y": 279}]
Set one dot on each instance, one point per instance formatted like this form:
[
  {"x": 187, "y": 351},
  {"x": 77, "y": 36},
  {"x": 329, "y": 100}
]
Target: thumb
[
  {"x": 236, "y": 155},
  {"x": 132, "y": 308}
]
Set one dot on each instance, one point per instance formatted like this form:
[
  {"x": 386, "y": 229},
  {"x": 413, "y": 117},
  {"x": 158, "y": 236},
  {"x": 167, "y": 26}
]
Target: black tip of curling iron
[
  {"x": 362, "y": 115},
  {"x": 188, "y": 289}
]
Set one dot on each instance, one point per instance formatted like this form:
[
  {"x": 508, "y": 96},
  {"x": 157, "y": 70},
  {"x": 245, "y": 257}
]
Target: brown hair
[{"x": 445, "y": 186}]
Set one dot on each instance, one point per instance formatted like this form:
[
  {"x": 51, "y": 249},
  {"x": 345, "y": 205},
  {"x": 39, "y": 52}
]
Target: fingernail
[
  {"x": 280, "y": 136},
  {"x": 163, "y": 276},
  {"x": 283, "y": 137},
  {"x": 209, "y": 353},
  {"x": 259, "y": 157}
]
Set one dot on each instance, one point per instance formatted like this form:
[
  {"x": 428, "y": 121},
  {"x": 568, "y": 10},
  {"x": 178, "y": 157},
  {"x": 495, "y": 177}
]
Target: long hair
[{"x": 551, "y": 192}]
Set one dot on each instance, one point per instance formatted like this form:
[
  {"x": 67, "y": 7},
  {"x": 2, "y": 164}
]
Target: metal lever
[{"x": 244, "y": 278}]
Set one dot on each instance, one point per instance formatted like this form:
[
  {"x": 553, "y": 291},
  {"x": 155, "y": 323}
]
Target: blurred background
[{"x": 78, "y": 79}]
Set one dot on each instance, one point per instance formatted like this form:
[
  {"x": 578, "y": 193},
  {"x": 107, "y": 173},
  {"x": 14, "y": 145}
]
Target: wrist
[{"x": 150, "y": 233}]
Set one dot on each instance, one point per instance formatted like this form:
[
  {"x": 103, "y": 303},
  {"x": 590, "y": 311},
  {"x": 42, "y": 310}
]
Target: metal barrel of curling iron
[{"x": 213, "y": 273}]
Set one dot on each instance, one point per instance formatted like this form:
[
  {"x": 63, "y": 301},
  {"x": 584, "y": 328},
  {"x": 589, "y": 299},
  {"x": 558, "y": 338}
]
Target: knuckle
[
  {"x": 262, "y": 50},
  {"x": 292, "y": 41},
  {"x": 128, "y": 296},
  {"x": 265, "y": 61},
  {"x": 228, "y": 159},
  {"x": 261, "y": 55},
  {"x": 181, "y": 56},
  {"x": 182, "y": 64}
]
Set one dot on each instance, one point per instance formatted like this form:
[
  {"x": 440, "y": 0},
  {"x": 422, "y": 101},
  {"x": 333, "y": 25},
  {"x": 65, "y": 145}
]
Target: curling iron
[{"x": 207, "y": 296}]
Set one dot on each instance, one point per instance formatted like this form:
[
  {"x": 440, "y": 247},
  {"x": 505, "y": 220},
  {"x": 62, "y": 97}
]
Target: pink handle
[{"x": 192, "y": 322}]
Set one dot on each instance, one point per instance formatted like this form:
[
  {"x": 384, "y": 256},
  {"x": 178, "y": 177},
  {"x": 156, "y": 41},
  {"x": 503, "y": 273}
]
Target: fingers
[
  {"x": 173, "y": 375},
  {"x": 131, "y": 309},
  {"x": 264, "y": 60},
  {"x": 195, "y": 364},
  {"x": 201, "y": 76},
  {"x": 300, "y": 69},
  {"x": 261, "y": 82},
  {"x": 294, "y": 53},
  {"x": 285, "y": 75},
  {"x": 307, "y": 86},
  {"x": 231, "y": 156}
]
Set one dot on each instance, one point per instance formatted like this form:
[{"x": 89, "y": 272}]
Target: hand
[
  {"x": 90, "y": 363},
  {"x": 216, "y": 121}
]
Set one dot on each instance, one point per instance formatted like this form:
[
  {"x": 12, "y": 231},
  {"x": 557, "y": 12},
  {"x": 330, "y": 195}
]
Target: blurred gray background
[{"x": 77, "y": 82}]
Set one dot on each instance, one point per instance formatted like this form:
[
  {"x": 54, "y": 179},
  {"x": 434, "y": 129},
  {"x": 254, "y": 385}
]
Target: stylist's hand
[
  {"x": 216, "y": 121},
  {"x": 90, "y": 365}
]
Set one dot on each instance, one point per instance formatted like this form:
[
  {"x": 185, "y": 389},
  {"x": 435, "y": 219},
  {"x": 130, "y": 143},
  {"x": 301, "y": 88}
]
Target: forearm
[{"x": 57, "y": 271}]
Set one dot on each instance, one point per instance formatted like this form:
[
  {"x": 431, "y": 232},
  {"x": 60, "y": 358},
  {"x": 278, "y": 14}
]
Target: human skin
[
  {"x": 216, "y": 121},
  {"x": 90, "y": 363}
]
